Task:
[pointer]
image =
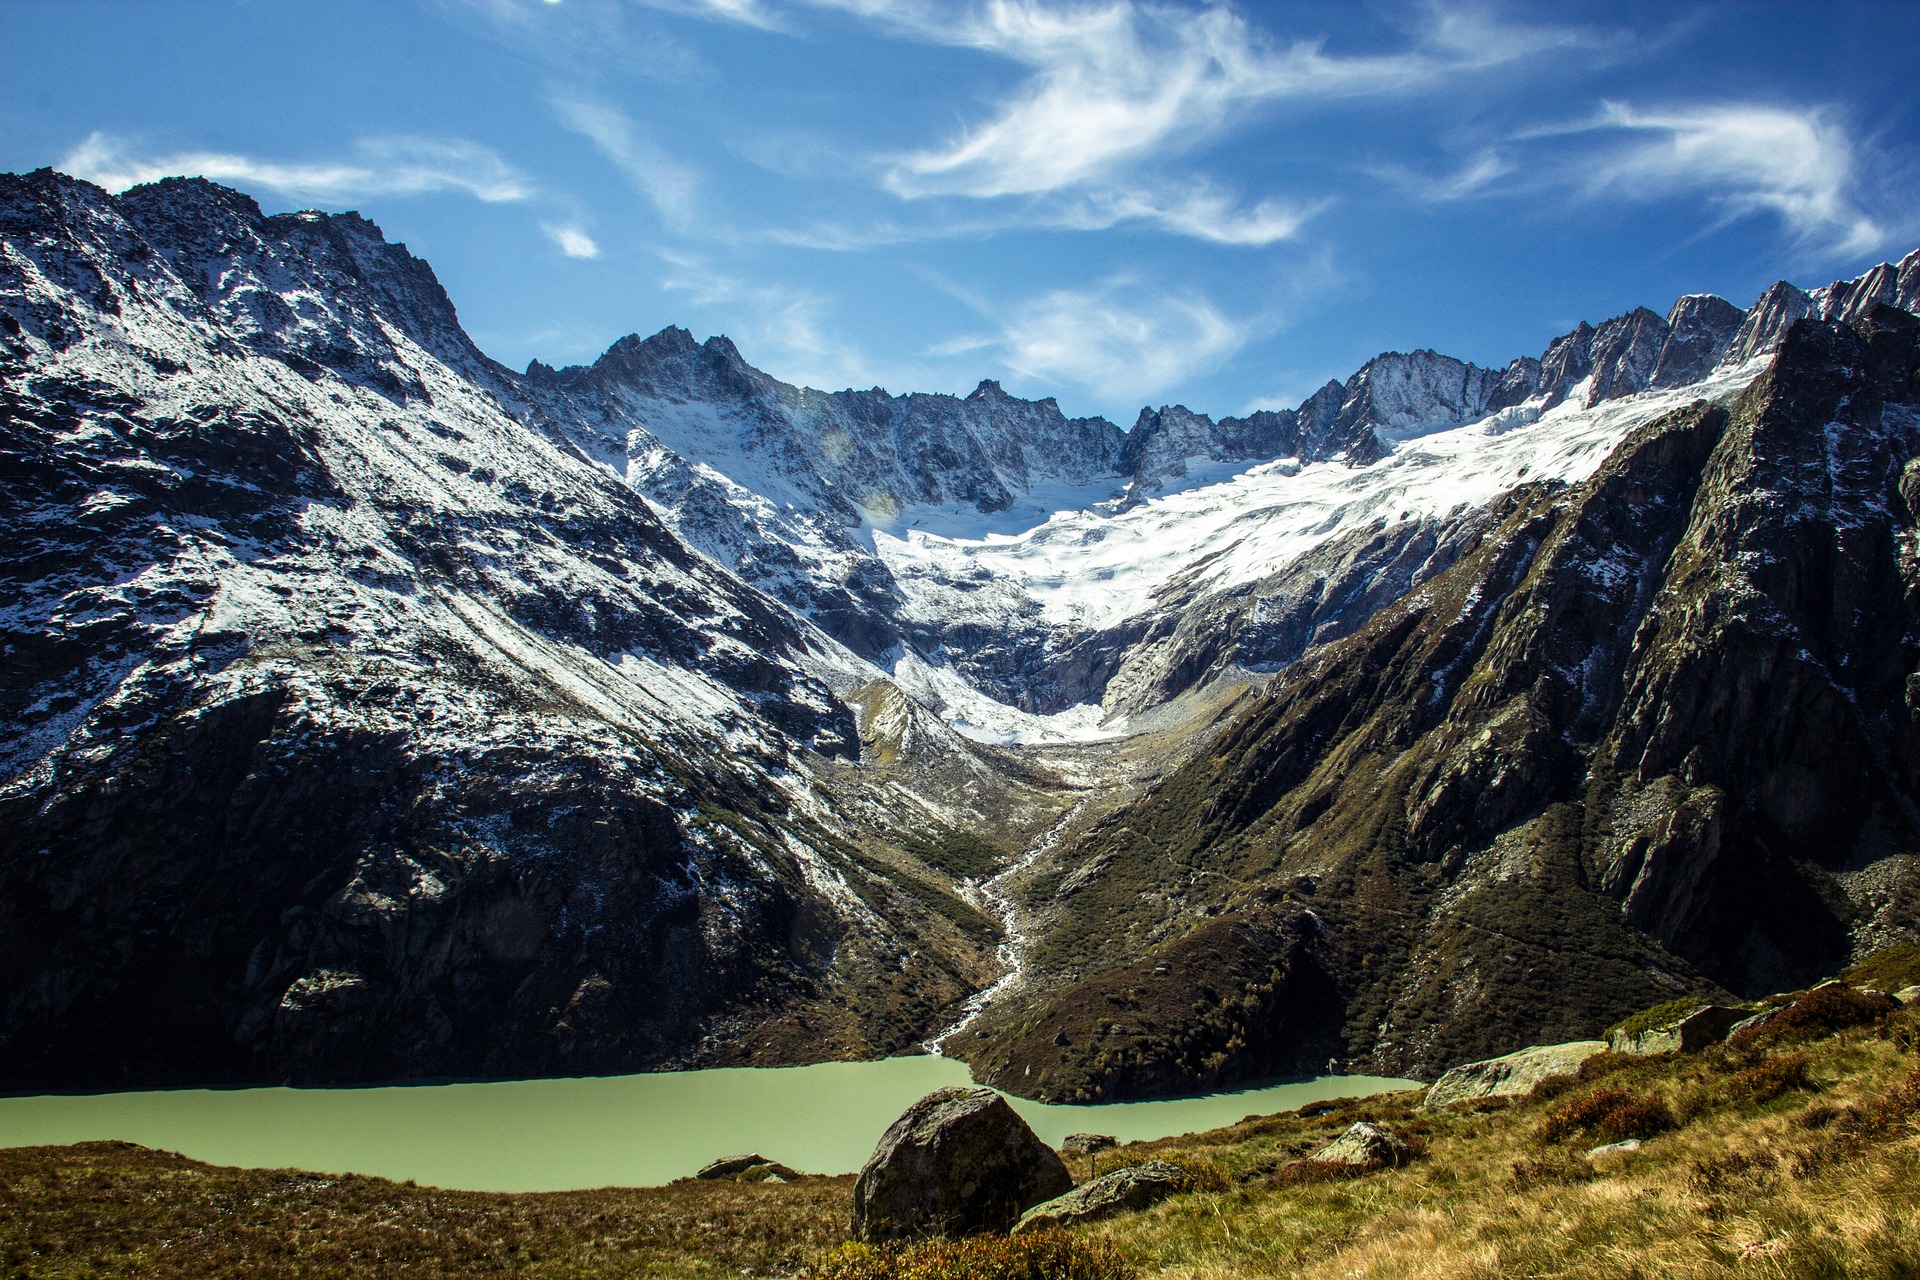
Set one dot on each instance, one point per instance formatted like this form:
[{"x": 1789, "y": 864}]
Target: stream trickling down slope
[{"x": 993, "y": 897}]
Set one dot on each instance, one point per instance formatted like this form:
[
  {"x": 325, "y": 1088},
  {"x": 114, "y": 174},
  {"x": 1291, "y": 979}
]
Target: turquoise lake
[{"x": 552, "y": 1135}]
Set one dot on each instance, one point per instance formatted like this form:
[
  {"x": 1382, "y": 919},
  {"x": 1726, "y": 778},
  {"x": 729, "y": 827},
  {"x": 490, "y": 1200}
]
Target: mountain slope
[
  {"x": 353, "y": 730},
  {"x": 1650, "y": 733}
]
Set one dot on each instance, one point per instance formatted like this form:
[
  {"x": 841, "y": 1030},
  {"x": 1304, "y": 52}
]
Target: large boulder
[
  {"x": 1512, "y": 1074},
  {"x": 1127, "y": 1190},
  {"x": 959, "y": 1162},
  {"x": 1690, "y": 1033},
  {"x": 1363, "y": 1146}
]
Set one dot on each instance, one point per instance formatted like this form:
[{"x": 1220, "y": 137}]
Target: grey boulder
[
  {"x": 959, "y": 1162},
  {"x": 1515, "y": 1073},
  {"x": 1127, "y": 1190},
  {"x": 1363, "y": 1146}
]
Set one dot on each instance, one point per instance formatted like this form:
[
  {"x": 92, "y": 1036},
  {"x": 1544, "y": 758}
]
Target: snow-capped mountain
[
  {"x": 373, "y": 710},
  {"x": 353, "y": 728},
  {"x": 1000, "y": 559}
]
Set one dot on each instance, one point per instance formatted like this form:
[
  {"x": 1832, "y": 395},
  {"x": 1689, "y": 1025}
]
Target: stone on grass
[
  {"x": 1907, "y": 995},
  {"x": 1706, "y": 1025},
  {"x": 1516, "y": 1073},
  {"x": 1760, "y": 1019},
  {"x": 1085, "y": 1144},
  {"x": 1628, "y": 1147},
  {"x": 748, "y": 1168},
  {"x": 1127, "y": 1190},
  {"x": 959, "y": 1162},
  {"x": 1363, "y": 1146}
]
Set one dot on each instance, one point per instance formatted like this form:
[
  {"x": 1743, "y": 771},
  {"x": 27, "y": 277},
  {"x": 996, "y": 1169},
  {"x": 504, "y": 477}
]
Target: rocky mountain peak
[
  {"x": 1700, "y": 328},
  {"x": 1565, "y": 362},
  {"x": 1625, "y": 351},
  {"x": 1768, "y": 320}
]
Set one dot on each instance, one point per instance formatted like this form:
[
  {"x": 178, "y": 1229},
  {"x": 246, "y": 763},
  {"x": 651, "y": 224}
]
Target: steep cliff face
[
  {"x": 1700, "y": 329},
  {"x": 1649, "y": 733},
  {"x": 353, "y": 730}
]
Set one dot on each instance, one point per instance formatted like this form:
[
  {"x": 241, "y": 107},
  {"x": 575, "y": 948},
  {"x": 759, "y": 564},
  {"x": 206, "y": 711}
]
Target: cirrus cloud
[
  {"x": 401, "y": 165},
  {"x": 1748, "y": 158},
  {"x": 1120, "y": 338}
]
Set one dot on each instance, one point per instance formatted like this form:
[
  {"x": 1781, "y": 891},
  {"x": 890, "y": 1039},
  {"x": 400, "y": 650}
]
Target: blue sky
[{"x": 1115, "y": 202}]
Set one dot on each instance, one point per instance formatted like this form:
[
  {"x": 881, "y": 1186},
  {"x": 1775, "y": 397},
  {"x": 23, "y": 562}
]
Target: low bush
[
  {"x": 1716, "y": 1175},
  {"x": 1043, "y": 1255},
  {"x": 1601, "y": 1065},
  {"x": 1888, "y": 969},
  {"x": 1893, "y": 1110},
  {"x": 1819, "y": 1012},
  {"x": 1768, "y": 1079},
  {"x": 1610, "y": 1115},
  {"x": 1552, "y": 1169}
]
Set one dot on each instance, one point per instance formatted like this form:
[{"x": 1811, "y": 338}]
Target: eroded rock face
[
  {"x": 959, "y": 1162},
  {"x": 1514, "y": 1073},
  {"x": 1127, "y": 1190}
]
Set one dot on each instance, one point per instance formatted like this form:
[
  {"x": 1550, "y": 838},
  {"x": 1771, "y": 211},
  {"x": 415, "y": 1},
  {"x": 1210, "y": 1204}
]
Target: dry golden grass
[
  {"x": 114, "y": 1209},
  {"x": 1802, "y": 1183}
]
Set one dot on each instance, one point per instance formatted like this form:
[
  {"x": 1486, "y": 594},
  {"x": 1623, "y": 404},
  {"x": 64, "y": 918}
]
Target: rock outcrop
[
  {"x": 1689, "y": 1033},
  {"x": 1510, "y": 1074},
  {"x": 753, "y": 1167},
  {"x": 959, "y": 1162},
  {"x": 1127, "y": 1190}
]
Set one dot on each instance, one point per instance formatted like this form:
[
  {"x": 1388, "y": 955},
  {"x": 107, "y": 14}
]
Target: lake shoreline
[{"x": 573, "y": 1133}]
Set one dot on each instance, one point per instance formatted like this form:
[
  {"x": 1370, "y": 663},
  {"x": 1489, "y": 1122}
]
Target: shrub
[
  {"x": 1547, "y": 1088},
  {"x": 1891, "y": 1110},
  {"x": 1044, "y": 1255},
  {"x": 1819, "y": 1012},
  {"x": 1605, "y": 1064},
  {"x": 1888, "y": 969},
  {"x": 1767, "y": 1080},
  {"x": 1554, "y": 1169},
  {"x": 1610, "y": 1115},
  {"x": 1716, "y": 1174}
]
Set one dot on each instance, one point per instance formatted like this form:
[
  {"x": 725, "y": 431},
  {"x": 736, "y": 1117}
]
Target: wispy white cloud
[
  {"x": 1119, "y": 339},
  {"x": 1119, "y": 82},
  {"x": 1117, "y": 88},
  {"x": 380, "y": 166},
  {"x": 573, "y": 242},
  {"x": 754, "y": 13},
  {"x": 1197, "y": 209},
  {"x": 1797, "y": 163},
  {"x": 1477, "y": 175},
  {"x": 784, "y": 330},
  {"x": 669, "y": 185}
]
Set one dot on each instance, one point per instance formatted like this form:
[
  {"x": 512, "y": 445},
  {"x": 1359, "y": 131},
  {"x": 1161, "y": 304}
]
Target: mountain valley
[{"x": 375, "y": 712}]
